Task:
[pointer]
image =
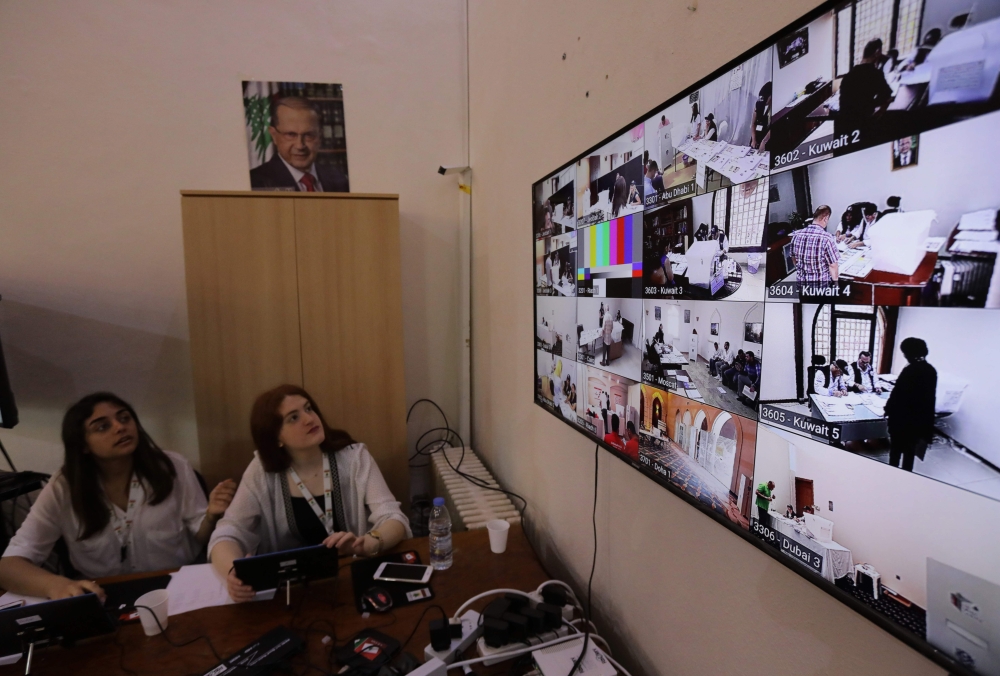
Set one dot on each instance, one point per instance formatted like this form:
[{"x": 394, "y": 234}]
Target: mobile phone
[{"x": 403, "y": 572}]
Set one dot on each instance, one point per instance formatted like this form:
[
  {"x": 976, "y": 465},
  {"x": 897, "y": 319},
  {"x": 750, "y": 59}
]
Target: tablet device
[
  {"x": 269, "y": 571},
  {"x": 63, "y": 621}
]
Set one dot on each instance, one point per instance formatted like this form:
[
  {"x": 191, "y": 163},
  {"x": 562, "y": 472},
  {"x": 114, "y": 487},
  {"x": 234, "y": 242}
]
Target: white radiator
[{"x": 469, "y": 505}]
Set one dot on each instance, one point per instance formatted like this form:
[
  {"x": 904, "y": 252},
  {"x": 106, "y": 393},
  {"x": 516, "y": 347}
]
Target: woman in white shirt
[
  {"x": 121, "y": 504},
  {"x": 307, "y": 484}
]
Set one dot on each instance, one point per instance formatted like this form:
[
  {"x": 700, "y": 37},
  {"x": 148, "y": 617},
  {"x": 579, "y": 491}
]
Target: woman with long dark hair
[
  {"x": 307, "y": 484},
  {"x": 120, "y": 502}
]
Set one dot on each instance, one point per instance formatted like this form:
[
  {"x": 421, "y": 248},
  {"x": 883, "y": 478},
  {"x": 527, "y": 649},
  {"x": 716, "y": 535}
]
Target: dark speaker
[{"x": 8, "y": 409}]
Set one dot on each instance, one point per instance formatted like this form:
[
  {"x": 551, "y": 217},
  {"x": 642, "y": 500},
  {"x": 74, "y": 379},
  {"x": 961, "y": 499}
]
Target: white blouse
[
  {"x": 162, "y": 535},
  {"x": 258, "y": 522}
]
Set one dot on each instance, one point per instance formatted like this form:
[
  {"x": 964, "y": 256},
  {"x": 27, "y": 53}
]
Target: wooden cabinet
[{"x": 303, "y": 289}]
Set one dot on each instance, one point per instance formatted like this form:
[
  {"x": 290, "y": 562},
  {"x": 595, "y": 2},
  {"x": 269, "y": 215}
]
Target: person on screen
[
  {"x": 120, "y": 503},
  {"x": 760, "y": 124},
  {"x": 618, "y": 316},
  {"x": 789, "y": 512},
  {"x": 904, "y": 151},
  {"x": 701, "y": 234},
  {"x": 863, "y": 374},
  {"x": 711, "y": 129},
  {"x": 814, "y": 250},
  {"x": 658, "y": 336},
  {"x": 652, "y": 172},
  {"x": 721, "y": 361},
  {"x": 572, "y": 395},
  {"x": 764, "y": 496},
  {"x": 750, "y": 377},
  {"x": 854, "y": 224},
  {"x": 600, "y": 320},
  {"x": 613, "y": 439},
  {"x": 548, "y": 269},
  {"x": 864, "y": 94},
  {"x": 694, "y": 129},
  {"x": 911, "y": 406},
  {"x": 834, "y": 384},
  {"x": 730, "y": 375},
  {"x": 605, "y": 403},
  {"x": 295, "y": 132},
  {"x": 619, "y": 195},
  {"x": 634, "y": 198},
  {"x": 307, "y": 484},
  {"x": 631, "y": 441},
  {"x": 607, "y": 330}
]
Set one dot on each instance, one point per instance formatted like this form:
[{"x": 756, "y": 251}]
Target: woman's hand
[
  {"x": 220, "y": 497},
  {"x": 365, "y": 545},
  {"x": 343, "y": 541},
  {"x": 238, "y": 592},
  {"x": 65, "y": 588}
]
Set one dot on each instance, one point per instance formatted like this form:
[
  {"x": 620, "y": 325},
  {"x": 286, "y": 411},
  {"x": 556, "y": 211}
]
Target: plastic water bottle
[{"x": 440, "y": 535}]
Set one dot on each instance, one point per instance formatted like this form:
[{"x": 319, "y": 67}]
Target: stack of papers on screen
[
  {"x": 977, "y": 235},
  {"x": 972, "y": 246},
  {"x": 934, "y": 244},
  {"x": 834, "y": 407},
  {"x": 682, "y": 379},
  {"x": 979, "y": 220},
  {"x": 873, "y": 403}
]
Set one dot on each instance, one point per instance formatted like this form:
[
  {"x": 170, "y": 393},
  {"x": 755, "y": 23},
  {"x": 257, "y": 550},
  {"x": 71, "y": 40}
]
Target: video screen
[
  {"x": 918, "y": 553},
  {"x": 887, "y": 383},
  {"x": 609, "y": 333},
  {"x": 708, "y": 247},
  {"x": 776, "y": 295},
  {"x": 555, "y": 265},
  {"x": 701, "y": 350},
  {"x": 555, "y": 326},
  {"x": 552, "y": 208},
  {"x": 899, "y": 231},
  {"x": 703, "y": 451},
  {"x": 872, "y": 73},
  {"x": 609, "y": 260},
  {"x": 609, "y": 181}
]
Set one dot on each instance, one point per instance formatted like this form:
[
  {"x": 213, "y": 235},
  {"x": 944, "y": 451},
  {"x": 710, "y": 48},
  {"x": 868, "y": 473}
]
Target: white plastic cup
[
  {"x": 155, "y": 601},
  {"x": 498, "y": 529}
]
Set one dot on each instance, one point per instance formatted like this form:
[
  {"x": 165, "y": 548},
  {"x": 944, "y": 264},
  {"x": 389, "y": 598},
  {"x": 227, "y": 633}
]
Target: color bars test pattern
[{"x": 615, "y": 242}]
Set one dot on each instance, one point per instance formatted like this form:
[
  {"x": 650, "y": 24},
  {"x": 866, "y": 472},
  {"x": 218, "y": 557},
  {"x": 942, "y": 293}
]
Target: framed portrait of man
[
  {"x": 904, "y": 152},
  {"x": 296, "y": 139}
]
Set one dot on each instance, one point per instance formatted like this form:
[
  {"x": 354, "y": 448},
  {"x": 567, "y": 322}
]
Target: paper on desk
[
  {"x": 977, "y": 235},
  {"x": 682, "y": 379},
  {"x": 721, "y": 389},
  {"x": 979, "y": 220},
  {"x": 970, "y": 246},
  {"x": 833, "y": 406},
  {"x": 671, "y": 372},
  {"x": 934, "y": 244},
  {"x": 199, "y": 586}
]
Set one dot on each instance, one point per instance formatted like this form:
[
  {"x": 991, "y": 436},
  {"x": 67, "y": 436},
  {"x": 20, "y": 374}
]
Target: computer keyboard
[{"x": 912, "y": 617}]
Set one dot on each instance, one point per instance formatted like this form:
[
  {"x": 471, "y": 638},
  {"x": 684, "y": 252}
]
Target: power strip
[
  {"x": 471, "y": 630},
  {"x": 567, "y": 609},
  {"x": 558, "y": 660},
  {"x": 497, "y": 655}
]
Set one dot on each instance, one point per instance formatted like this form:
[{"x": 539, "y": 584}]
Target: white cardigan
[{"x": 258, "y": 522}]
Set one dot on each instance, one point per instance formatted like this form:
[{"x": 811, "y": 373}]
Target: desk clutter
[{"x": 325, "y": 628}]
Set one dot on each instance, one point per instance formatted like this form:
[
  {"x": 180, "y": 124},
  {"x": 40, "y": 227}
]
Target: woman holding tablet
[
  {"x": 307, "y": 485},
  {"x": 121, "y": 504}
]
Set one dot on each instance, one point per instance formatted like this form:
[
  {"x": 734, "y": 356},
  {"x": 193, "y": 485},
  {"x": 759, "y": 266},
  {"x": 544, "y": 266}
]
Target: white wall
[
  {"x": 818, "y": 63},
  {"x": 560, "y": 313},
  {"x": 894, "y": 520},
  {"x": 112, "y": 107},
  {"x": 956, "y": 174},
  {"x": 718, "y": 604},
  {"x": 701, "y": 211},
  {"x": 773, "y": 462},
  {"x": 957, "y": 339}
]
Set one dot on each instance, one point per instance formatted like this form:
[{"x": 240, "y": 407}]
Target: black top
[
  {"x": 861, "y": 91},
  {"x": 910, "y": 407},
  {"x": 310, "y": 527}
]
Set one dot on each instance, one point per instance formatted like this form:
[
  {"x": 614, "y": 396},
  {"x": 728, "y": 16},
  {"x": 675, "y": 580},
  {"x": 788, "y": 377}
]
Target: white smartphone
[{"x": 403, "y": 572}]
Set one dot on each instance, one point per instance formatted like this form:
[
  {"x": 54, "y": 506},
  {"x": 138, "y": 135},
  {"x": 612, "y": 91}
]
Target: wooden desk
[{"x": 327, "y": 608}]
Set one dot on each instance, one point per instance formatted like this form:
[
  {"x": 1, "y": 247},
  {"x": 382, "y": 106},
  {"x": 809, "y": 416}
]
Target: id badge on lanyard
[
  {"x": 326, "y": 516},
  {"x": 123, "y": 527}
]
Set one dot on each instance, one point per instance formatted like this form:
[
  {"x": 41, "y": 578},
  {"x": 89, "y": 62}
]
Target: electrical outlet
[
  {"x": 471, "y": 630},
  {"x": 496, "y": 655}
]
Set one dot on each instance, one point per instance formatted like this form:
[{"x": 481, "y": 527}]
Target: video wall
[{"x": 777, "y": 295}]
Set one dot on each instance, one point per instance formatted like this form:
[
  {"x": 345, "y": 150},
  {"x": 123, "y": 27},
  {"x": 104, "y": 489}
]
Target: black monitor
[
  {"x": 64, "y": 621},
  {"x": 269, "y": 571}
]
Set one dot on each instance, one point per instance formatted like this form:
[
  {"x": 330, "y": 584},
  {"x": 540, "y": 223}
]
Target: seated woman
[
  {"x": 307, "y": 484},
  {"x": 121, "y": 504}
]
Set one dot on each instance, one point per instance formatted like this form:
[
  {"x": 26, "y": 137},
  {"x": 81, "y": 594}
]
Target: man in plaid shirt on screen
[{"x": 814, "y": 251}]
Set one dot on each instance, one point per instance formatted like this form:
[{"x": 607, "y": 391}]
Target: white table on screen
[{"x": 837, "y": 559}]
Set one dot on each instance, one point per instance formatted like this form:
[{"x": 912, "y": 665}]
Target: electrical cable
[
  {"x": 444, "y": 616},
  {"x": 483, "y": 595},
  {"x": 186, "y": 643},
  {"x": 593, "y": 567}
]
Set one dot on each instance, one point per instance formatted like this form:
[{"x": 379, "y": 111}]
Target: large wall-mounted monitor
[{"x": 777, "y": 295}]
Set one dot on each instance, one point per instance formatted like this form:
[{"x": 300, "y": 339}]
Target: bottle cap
[{"x": 439, "y": 502}]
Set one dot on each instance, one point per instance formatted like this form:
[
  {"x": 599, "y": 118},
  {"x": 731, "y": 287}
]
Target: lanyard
[
  {"x": 123, "y": 527},
  {"x": 326, "y": 518}
]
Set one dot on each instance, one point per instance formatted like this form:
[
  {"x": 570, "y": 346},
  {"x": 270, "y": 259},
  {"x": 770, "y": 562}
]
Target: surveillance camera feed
[{"x": 777, "y": 294}]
